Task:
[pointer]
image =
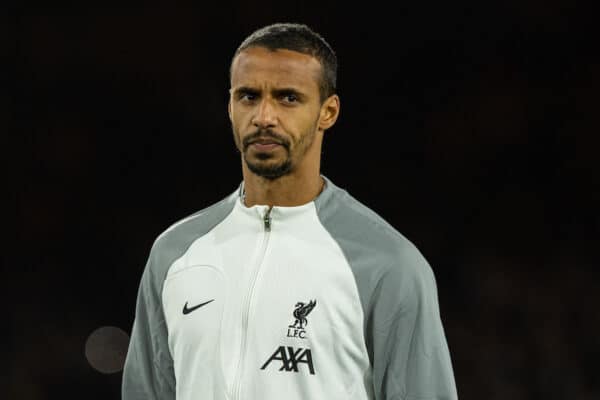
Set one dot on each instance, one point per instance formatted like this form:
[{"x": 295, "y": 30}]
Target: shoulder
[
  {"x": 374, "y": 249},
  {"x": 176, "y": 239},
  {"x": 199, "y": 222},
  {"x": 349, "y": 220}
]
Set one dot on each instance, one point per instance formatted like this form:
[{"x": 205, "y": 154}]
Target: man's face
[{"x": 274, "y": 108}]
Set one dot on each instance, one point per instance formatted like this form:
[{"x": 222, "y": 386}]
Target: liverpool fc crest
[{"x": 300, "y": 313}]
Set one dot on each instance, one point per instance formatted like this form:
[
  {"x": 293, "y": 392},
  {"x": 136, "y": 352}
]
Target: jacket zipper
[{"x": 237, "y": 383}]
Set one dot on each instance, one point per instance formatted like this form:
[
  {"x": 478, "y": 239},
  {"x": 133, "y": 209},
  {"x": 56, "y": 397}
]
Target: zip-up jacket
[{"x": 323, "y": 301}]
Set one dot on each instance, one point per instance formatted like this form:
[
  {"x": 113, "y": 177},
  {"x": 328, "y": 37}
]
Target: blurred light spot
[{"x": 106, "y": 348}]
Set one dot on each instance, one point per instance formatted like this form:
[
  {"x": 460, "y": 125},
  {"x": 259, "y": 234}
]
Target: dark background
[{"x": 473, "y": 129}]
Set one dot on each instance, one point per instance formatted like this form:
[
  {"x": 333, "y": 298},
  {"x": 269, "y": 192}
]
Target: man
[{"x": 289, "y": 287}]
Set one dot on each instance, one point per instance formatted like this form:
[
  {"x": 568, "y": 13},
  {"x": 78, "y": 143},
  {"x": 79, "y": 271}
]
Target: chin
[{"x": 270, "y": 170}]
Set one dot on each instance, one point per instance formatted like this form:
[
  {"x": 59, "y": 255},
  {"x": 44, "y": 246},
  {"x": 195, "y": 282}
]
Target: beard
[
  {"x": 270, "y": 171},
  {"x": 266, "y": 166}
]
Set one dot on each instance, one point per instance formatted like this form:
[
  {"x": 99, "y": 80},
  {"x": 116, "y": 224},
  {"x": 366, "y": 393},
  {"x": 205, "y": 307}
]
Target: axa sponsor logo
[{"x": 291, "y": 359}]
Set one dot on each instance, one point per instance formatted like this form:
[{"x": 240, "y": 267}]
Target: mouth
[{"x": 265, "y": 144}]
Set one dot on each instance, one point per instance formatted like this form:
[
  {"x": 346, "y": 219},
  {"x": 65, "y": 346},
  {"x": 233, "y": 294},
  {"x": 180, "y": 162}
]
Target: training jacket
[{"x": 323, "y": 301}]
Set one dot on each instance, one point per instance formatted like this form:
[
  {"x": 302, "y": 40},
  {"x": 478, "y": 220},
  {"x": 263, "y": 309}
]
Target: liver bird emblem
[{"x": 301, "y": 312}]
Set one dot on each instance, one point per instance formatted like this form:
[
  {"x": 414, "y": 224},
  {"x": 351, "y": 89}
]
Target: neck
[{"x": 287, "y": 191}]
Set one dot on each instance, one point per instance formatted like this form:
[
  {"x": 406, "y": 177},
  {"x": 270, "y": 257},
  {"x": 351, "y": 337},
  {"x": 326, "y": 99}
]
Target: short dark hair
[{"x": 300, "y": 38}]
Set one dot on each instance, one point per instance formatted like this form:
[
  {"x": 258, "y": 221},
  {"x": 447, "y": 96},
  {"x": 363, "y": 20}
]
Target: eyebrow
[
  {"x": 286, "y": 91},
  {"x": 244, "y": 89},
  {"x": 276, "y": 92}
]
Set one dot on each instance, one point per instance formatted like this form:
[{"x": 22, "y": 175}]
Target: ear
[
  {"x": 330, "y": 109},
  {"x": 229, "y": 107}
]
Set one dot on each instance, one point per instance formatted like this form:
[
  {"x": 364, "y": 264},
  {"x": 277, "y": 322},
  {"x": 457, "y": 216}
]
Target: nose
[{"x": 265, "y": 116}]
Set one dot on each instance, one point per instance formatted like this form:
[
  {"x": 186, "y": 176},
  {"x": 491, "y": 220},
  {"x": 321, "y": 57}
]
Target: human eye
[
  {"x": 290, "y": 98},
  {"x": 247, "y": 96}
]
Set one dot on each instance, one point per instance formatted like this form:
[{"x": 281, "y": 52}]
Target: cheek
[
  {"x": 237, "y": 126},
  {"x": 235, "y": 129},
  {"x": 241, "y": 121},
  {"x": 302, "y": 124}
]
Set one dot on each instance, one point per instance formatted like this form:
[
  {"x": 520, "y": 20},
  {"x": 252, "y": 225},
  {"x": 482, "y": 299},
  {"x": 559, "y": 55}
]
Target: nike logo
[{"x": 187, "y": 310}]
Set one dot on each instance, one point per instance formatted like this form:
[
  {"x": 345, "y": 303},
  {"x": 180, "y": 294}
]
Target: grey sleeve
[
  {"x": 148, "y": 373},
  {"x": 405, "y": 336}
]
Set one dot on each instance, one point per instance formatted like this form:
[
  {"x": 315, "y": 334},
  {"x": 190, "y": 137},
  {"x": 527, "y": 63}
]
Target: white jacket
[{"x": 320, "y": 301}]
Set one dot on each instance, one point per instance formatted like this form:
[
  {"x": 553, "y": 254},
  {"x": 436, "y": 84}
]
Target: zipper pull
[{"x": 267, "y": 219}]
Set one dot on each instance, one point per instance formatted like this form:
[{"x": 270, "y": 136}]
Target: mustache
[{"x": 262, "y": 134}]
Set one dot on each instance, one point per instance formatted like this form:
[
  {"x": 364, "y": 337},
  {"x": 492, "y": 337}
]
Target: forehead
[{"x": 259, "y": 66}]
